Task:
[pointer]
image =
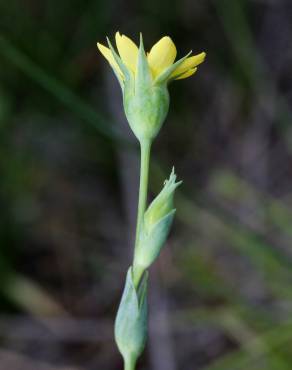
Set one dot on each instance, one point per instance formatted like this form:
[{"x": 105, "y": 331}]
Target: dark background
[{"x": 221, "y": 292}]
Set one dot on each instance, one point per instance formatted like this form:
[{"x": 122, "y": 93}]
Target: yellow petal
[
  {"x": 128, "y": 51},
  {"x": 106, "y": 52},
  {"x": 187, "y": 74},
  {"x": 162, "y": 55},
  {"x": 189, "y": 63}
]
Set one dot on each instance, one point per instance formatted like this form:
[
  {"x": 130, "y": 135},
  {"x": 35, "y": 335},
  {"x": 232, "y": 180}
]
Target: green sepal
[
  {"x": 131, "y": 319},
  {"x": 143, "y": 75},
  {"x": 164, "y": 76},
  {"x": 124, "y": 69}
]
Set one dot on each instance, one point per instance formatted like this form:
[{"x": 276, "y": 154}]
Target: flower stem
[
  {"x": 144, "y": 172},
  {"x": 130, "y": 363}
]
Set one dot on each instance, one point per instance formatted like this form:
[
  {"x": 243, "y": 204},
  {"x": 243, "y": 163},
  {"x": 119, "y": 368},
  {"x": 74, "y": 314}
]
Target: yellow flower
[
  {"x": 144, "y": 80},
  {"x": 160, "y": 58}
]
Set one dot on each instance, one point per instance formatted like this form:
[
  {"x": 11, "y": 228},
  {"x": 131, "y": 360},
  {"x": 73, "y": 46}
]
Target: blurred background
[{"x": 221, "y": 292}]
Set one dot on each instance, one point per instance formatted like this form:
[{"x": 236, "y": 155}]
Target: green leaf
[{"x": 151, "y": 243}]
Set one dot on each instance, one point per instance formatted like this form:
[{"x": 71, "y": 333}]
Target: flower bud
[
  {"x": 131, "y": 320},
  {"x": 156, "y": 225}
]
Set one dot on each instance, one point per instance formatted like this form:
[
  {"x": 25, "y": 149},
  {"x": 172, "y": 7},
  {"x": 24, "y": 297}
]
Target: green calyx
[{"x": 146, "y": 108}]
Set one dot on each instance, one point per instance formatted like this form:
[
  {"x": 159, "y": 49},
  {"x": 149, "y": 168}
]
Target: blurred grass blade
[
  {"x": 239, "y": 33},
  {"x": 31, "y": 296},
  {"x": 267, "y": 357},
  {"x": 57, "y": 89}
]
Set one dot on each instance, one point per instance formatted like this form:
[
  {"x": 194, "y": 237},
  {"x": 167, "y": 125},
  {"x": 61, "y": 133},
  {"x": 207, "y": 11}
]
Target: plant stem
[
  {"x": 144, "y": 172},
  {"x": 130, "y": 363}
]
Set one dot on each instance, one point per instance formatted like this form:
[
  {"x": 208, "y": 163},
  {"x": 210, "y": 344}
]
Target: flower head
[{"x": 144, "y": 79}]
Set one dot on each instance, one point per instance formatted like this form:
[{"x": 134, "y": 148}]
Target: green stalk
[
  {"x": 144, "y": 172},
  {"x": 130, "y": 363}
]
